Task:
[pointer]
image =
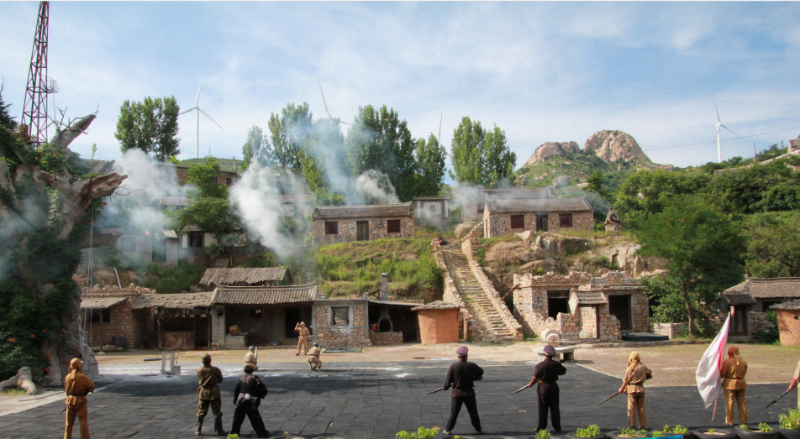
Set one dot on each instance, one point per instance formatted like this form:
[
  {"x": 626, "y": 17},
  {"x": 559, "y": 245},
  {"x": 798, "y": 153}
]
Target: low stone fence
[
  {"x": 668, "y": 329},
  {"x": 386, "y": 338}
]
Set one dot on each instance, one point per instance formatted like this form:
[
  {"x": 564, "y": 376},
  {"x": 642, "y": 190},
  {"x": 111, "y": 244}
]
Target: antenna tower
[{"x": 34, "y": 108}]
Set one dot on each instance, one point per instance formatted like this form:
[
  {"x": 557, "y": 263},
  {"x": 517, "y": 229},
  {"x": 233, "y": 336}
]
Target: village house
[
  {"x": 508, "y": 216},
  {"x": 432, "y": 210},
  {"x": 337, "y": 224},
  {"x": 751, "y": 300},
  {"x": 245, "y": 277},
  {"x": 473, "y": 208},
  {"x": 580, "y": 307},
  {"x": 224, "y": 178}
]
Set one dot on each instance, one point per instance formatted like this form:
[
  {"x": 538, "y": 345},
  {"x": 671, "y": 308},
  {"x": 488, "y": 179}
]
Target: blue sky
[{"x": 540, "y": 71}]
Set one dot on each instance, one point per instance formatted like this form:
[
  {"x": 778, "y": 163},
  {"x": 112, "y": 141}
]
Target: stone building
[
  {"x": 580, "y": 306},
  {"x": 174, "y": 321},
  {"x": 504, "y": 217},
  {"x": 752, "y": 298},
  {"x": 432, "y": 210},
  {"x": 788, "y": 314},
  {"x": 109, "y": 318},
  {"x": 473, "y": 208},
  {"x": 337, "y": 224}
]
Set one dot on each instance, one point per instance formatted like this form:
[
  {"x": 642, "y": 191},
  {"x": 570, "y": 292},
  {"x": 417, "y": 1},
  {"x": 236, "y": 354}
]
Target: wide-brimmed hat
[{"x": 549, "y": 350}]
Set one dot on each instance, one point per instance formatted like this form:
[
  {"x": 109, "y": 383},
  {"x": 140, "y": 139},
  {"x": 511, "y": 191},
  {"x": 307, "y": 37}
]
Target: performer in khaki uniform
[
  {"x": 795, "y": 379},
  {"x": 313, "y": 357},
  {"x": 208, "y": 395},
  {"x": 250, "y": 358},
  {"x": 302, "y": 339},
  {"x": 77, "y": 386},
  {"x": 733, "y": 371},
  {"x": 633, "y": 385}
]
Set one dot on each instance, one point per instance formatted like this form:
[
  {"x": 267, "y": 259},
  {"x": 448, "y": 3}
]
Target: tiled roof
[
  {"x": 793, "y": 305},
  {"x": 367, "y": 211},
  {"x": 101, "y": 302},
  {"x": 766, "y": 288},
  {"x": 264, "y": 295},
  {"x": 250, "y": 276},
  {"x": 394, "y": 302},
  {"x": 590, "y": 298},
  {"x": 172, "y": 301},
  {"x": 436, "y": 305},
  {"x": 520, "y": 193},
  {"x": 433, "y": 198},
  {"x": 739, "y": 298},
  {"x": 539, "y": 205}
]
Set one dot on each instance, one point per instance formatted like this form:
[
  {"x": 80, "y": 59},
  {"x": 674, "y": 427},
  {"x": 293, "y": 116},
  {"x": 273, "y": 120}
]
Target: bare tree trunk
[{"x": 685, "y": 294}]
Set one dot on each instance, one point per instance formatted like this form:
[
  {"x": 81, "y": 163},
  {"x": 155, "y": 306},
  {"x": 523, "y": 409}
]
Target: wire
[
  {"x": 597, "y": 78},
  {"x": 724, "y": 140}
]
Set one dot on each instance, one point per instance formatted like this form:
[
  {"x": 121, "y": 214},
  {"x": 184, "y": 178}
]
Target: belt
[
  {"x": 547, "y": 382},
  {"x": 78, "y": 394}
]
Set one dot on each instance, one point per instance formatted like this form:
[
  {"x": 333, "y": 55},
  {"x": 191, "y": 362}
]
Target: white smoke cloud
[{"x": 375, "y": 186}]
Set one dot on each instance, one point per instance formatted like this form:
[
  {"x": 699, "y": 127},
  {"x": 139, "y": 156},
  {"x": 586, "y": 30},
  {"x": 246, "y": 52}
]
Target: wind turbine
[
  {"x": 326, "y": 104},
  {"x": 200, "y": 110},
  {"x": 720, "y": 125}
]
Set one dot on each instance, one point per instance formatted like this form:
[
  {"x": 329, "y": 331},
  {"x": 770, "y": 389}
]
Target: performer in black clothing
[
  {"x": 547, "y": 373},
  {"x": 461, "y": 375},
  {"x": 247, "y": 398}
]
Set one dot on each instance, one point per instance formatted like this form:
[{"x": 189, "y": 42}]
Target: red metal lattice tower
[{"x": 34, "y": 109}]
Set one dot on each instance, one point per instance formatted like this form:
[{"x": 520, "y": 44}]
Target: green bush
[
  {"x": 789, "y": 421},
  {"x": 173, "y": 279},
  {"x": 421, "y": 433},
  {"x": 590, "y": 431},
  {"x": 542, "y": 434}
]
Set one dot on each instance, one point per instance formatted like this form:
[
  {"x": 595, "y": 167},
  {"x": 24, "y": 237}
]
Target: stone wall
[
  {"x": 640, "y": 312},
  {"x": 588, "y": 322},
  {"x": 123, "y": 322},
  {"x": 671, "y": 330},
  {"x": 569, "y": 326},
  {"x": 609, "y": 325},
  {"x": 789, "y": 326},
  {"x": 530, "y": 298},
  {"x": 385, "y": 338},
  {"x": 218, "y": 328},
  {"x": 757, "y": 322},
  {"x": 498, "y": 224},
  {"x": 354, "y": 334},
  {"x": 347, "y": 229}
]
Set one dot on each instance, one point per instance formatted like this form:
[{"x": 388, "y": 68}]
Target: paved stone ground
[{"x": 375, "y": 400}]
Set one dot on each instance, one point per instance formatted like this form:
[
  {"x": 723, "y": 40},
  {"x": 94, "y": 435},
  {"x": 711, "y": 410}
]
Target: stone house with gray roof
[
  {"x": 473, "y": 208},
  {"x": 507, "y": 216},
  {"x": 337, "y": 224},
  {"x": 752, "y": 298}
]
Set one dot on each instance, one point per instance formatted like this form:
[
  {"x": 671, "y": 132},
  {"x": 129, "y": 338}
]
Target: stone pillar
[{"x": 384, "y": 287}]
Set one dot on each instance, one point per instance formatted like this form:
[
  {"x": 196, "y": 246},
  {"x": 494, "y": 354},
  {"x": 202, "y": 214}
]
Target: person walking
[
  {"x": 208, "y": 396},
  {"x": 461, "y": 376},
  {"x": 795, "y": 379},
  {"x": 733, "y": 372},
  {"x": 77, "y": 386},
  {"x": 302, "y": 338},
  {"x": 250, "y": 358},
  {"x": 633, "y": 384},
  {"x": 547, "y": 373},
  {"x": 313, "y": 357},
  {"x": 247, "y": 397}
]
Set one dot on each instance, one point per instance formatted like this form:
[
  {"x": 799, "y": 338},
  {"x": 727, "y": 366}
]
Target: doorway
[
  {"x": 739, "y": 321},
  {"x": 541, "y": 223},
  {"x": 620, "y": 307},
  {"x": 557, "y": 301},
  {"x": 291, "y": 316},
  {"x": 362, "y": 230}
]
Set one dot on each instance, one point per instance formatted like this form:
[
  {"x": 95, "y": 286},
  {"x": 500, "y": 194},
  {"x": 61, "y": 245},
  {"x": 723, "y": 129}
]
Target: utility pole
[{"x": 34, "y": 107}]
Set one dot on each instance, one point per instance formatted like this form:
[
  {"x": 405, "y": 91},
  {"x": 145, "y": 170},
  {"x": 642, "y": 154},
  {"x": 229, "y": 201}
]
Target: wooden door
[
  {"x": 739, "y": 321},
  {"x": 541, "y": 223},
  {"x": 362, "y": 231}
]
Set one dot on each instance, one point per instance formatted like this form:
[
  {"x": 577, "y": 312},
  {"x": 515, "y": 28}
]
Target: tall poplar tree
[{"x": 150, "y": 125}]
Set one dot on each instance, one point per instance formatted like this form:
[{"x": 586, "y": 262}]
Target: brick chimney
[{"x": 384, "y": 286}]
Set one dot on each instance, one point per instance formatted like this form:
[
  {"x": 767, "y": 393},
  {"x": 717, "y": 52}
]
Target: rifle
[
  {"x": 256, "y": 354},
  {"x": 615, "y": 394},
  {"x": 521, "y": 389},
  {"x": 434, "y": 391},
  {"x": 776, "y": 399}
]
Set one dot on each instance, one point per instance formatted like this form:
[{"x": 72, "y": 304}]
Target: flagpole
[{"x": 715, "y": 410}]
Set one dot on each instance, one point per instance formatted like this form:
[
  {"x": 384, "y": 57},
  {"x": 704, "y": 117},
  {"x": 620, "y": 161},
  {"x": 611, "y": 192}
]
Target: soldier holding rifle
[
  {"x": 546, "y": 373},
  {"x": 461, "y": 376},
  {"x": 633, "y": 385}
]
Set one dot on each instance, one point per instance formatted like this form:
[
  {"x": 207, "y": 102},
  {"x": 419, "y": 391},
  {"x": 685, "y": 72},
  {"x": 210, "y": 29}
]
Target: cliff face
[
  {"x": 613, "y": 146},
  {"x": 552, "y": 149}
]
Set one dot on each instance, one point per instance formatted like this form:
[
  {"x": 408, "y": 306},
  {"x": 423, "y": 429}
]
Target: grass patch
[{"x": 13, "y": 392}]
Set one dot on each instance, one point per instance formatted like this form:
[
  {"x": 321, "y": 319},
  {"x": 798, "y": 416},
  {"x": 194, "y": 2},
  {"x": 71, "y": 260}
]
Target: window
[
  {"x": 565, "y": 220},
  {"x": 393, "y": 226},
  {"x": 255, "y": 313},
  {"x": 229, "y": 181},
  {"x": 96, "y": 314},
  {"x": 196, "y": 239},
  {"x": 128, "y": 244},
  {"x": 481, "y": 206},
  {"x": 341, "y": 315},
  {"x": 432, "y": 207},
  {"x": 517, "y": 221},
  {"x": 331, "y": 227}
]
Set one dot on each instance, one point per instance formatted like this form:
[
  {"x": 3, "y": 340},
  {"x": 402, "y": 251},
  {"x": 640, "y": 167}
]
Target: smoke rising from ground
[{"x": 375, "y": 185}]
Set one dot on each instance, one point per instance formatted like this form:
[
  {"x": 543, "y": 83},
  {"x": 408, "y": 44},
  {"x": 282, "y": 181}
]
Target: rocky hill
[
  {"x": 549, "y": 149},
  {"x": 614, "y": 146}
]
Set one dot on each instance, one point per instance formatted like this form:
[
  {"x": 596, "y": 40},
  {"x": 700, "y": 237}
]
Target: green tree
[
  {"x": 204, "y": 177},
  {"x": 773, "y": 248},
  {"x": 498, "y": 160},
  {"x": 257, "y": 148},
  {"x": 430, "y": 166},
  {"x": 704, "y": 249},
  {"x": 647, "y": 191},
  {"x": 595, "y": 184},
  {"x": 466, "y": 152},
  {"x": 150, "y": 125},
  {"x": 379, "y": 140},
  {"x": 289, "y": 132},
  {"x": 6, "y": 119}
]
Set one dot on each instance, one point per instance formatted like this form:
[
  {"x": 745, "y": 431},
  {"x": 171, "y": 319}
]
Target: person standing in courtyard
[
  {"x": 313, "y": 357},
  {"x": 633, "y": 384},
  {"x": 547, "y": 373},
  {"x": 733, "y": 371},
  {"x": 250, "y": 358},
  {"x": 77, "y": 386},
  {"x": 302, "y": 338},
  {"x": 461, "y": 376},
  {"x": 208, "y": 396},
  {"x": 795, "y": 379},
  {"x": 247, "y": 397}
]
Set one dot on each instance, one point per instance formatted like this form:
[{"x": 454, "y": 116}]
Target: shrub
[
  {"x": 590, "y": 431},
  {"x": 790, "y": 421},
  {"x": 421, "y": 433},
  {"x": 173, "y": 279},
  {"x": 543, "y": 434},
  {"x": 764, "y": 428}
]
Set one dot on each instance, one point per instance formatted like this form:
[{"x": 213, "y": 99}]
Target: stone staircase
[{"x": 478, "y": 304}]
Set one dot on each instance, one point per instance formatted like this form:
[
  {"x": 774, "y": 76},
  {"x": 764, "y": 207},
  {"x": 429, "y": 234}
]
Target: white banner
[{"x": 708, "y": 380}]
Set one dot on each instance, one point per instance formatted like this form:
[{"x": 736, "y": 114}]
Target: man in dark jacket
[
  {"x": 547, "y": 372},
  {"x": 247, "y": 397},
  {"x": 461, "y": 375},
  {"x": 208, "y": 396}
]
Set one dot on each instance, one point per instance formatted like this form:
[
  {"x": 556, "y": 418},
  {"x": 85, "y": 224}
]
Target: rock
[
  {"x": 560, "y": 181},
  {"x": 613, "y": 146},
  {"x": 525, "y": 236},
  {"x": 464, "y": 228},
  {"x": 23, "y": 379},
  {"x": 578, "y": 266},
  {"x": 551, "y": 149},
  {"x": 538, "y": 252},
  {"x": 526, "y": 256},
  {"x": 582, "y": 185}
]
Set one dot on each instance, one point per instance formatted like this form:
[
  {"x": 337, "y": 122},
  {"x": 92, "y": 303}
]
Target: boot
[
  {"x": 218, "y": 427},
  {"x": 199, "y": 430}
]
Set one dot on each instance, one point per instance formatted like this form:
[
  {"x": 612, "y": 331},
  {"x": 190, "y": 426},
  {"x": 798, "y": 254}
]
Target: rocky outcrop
[
  {"x": 613, "y": 146},
  {"x": 552, "y": 149}
]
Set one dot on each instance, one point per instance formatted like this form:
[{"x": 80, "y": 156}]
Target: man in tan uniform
[
  {"x": 733, "y": 371},
  {"x": 208, "y": 395},
  {"x": 302, "y": 339},
  {"x": 77, "y": 386},
  {"x": 250, "y": 358},
  {"x": 795, "y": 379},
  {"x": 313, "y": 357},
  {"x": 633, "y": 385}
]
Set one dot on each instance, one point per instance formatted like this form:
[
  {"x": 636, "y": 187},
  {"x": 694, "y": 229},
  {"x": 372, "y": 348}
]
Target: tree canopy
[
  {"x": 257, "y": 148},
  {"x": 6, "y": 120},
  {"x": 150, "y": 125},
  {"x": 289, "y": 132},
  {"x": 480, "y": 157},
  {"x": 430, "y": 157},
  {"x": 773, "y": 247}
]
